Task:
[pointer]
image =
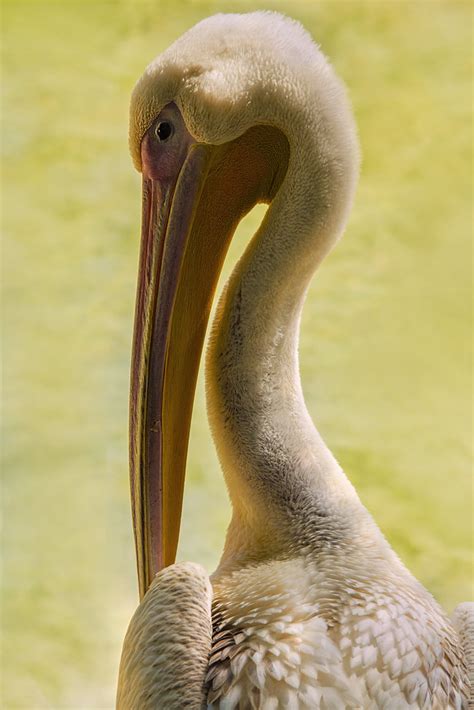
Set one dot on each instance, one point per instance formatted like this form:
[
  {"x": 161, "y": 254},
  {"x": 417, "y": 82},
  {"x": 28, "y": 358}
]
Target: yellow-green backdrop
[{"x": 385, "y": 353}]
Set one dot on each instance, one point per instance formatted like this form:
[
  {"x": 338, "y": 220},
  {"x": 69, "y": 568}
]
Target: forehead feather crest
[{"x": 229, "y": 72}]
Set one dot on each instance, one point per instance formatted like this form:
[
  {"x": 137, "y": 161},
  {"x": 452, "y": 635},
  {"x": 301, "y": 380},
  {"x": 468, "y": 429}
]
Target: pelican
[{"x": 309, "y": 607}]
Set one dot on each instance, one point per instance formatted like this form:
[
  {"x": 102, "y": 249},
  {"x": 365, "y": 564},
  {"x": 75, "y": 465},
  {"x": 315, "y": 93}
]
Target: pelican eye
[{"x": 164, "y": 130}]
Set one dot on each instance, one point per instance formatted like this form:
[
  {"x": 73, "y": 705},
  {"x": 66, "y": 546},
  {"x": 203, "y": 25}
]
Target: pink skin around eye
[{"x": 162, "y": 160}]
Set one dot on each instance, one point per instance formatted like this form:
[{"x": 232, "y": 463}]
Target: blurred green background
[{"x": 385, "y": 348}]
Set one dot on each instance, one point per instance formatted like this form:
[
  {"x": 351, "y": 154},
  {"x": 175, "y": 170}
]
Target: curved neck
[{"x": 278, "y": 470}]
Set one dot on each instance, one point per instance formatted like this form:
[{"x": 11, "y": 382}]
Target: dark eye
[{"x": 164, "y": 130}]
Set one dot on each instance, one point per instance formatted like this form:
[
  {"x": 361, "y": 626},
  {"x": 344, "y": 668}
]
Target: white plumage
[{"x": 311, "y": 608}]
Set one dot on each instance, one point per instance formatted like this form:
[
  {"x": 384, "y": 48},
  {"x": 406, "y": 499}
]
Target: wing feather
[
  {"x": 166, "y": 649},
  {"x": 463, "y": 621}
]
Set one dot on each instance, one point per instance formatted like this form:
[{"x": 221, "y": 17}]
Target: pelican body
[{"x": 309, "y": 606}]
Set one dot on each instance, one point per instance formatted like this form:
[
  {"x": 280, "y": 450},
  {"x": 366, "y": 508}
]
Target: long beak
[{"x": 168, "y": 338}]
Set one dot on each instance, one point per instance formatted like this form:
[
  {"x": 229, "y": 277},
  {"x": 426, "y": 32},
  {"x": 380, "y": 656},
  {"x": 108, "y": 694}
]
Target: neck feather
[{"x": 278, "y": 470}]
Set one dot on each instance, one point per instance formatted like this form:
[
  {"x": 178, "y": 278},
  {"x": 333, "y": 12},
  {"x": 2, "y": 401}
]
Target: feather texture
[
  {"x": 289, "y": 633},
  {"x": 166, "y": 648}
]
